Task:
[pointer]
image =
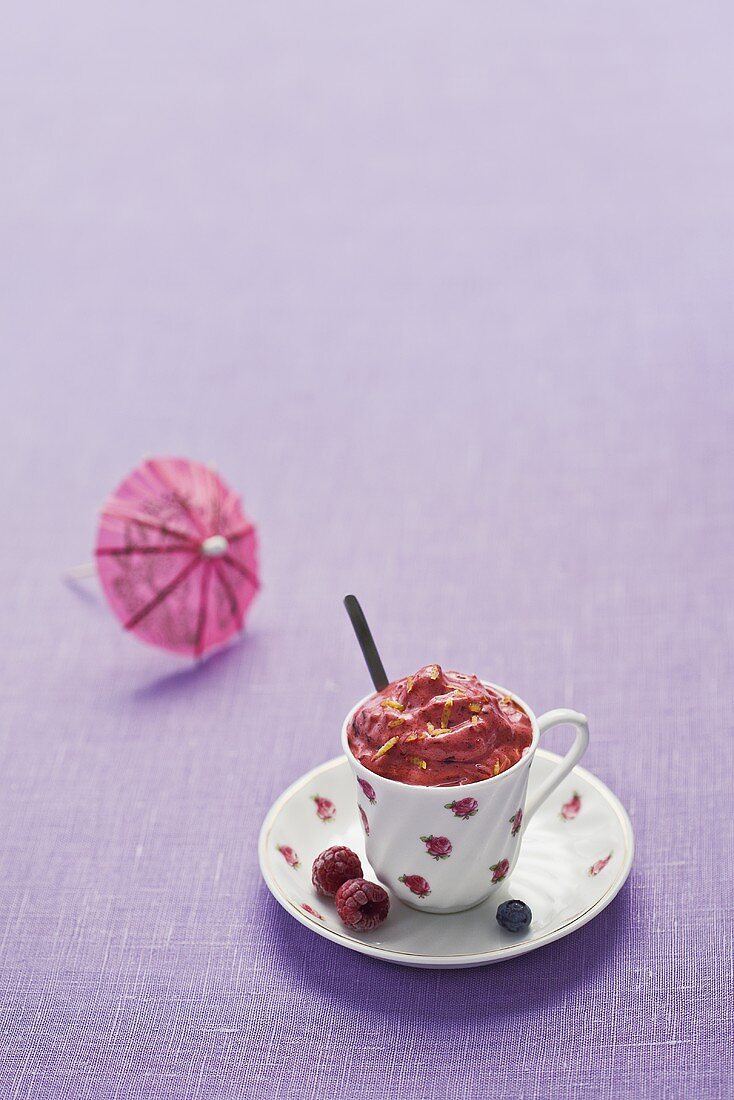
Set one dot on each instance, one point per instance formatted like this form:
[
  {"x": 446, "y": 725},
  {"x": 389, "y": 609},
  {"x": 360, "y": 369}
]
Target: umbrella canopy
[{"x": 177, "y": 556}]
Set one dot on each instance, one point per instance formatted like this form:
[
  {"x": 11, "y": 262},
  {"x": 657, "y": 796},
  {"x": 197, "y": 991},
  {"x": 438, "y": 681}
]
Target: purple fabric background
[{"x": 448, "y": 293}]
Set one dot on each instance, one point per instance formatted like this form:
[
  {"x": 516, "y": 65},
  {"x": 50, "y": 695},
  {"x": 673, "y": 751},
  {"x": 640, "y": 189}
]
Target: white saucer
[{"x": 575, "y": 858}]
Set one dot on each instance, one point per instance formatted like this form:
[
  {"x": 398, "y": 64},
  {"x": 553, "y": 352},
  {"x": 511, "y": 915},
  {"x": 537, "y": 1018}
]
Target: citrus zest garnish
[
  {"x": 412, "y": 737},
  {"x": 496, "y": 768},
  {"x": 431, "y": 730},
  {"x": 386, "y": 747},
  {"x": 475, "y": 708},
  {"x": 446, "y": 714},
  {"x": 417, "y": 760},
  {"x": 434, "y": 672},
  {"x": 506, "y": 699},
  {"x": 396, "y": 722},
  {"x": 409, "y": 684},
  {"x": 475, "y": 720},
  {"x": 393, "y": 704}
]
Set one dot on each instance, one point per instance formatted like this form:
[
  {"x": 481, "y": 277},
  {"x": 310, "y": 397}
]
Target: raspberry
[
  {"x": 333, "y": 867},
  {"x": 362, "y": 905}
]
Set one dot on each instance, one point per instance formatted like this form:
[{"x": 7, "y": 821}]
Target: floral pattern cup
[{"x": 480, "y": 826}]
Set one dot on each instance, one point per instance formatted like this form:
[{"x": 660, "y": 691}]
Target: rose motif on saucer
[
  {"x": 463, "y": 808},
  {"x": 440, "y": 847},
  {"x": 600, "y": 864},
  {"x": 571, "y": 809},
  {"x": 499, "y": 870},
  {"x": 416, "y": 884},
  {"x": 289, "y": 855},
  {"x": 324, "y": 808}
]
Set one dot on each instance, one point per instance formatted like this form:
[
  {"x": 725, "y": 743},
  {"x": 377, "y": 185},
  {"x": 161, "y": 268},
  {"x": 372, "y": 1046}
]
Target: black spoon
[{"x": 366, "y": 643}]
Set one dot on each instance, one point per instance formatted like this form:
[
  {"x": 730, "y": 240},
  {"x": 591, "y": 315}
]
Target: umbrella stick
[
  {"x": 81, "y": 572},
  {"x": 366, "y": 642}
]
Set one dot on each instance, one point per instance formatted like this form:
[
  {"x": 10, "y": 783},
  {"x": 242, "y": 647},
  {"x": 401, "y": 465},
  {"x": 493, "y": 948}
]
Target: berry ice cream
[{"x": 439, "y": 729}]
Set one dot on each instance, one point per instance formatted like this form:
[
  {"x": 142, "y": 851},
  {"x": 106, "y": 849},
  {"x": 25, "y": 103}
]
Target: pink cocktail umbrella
[{"x": 177, "y": 556}]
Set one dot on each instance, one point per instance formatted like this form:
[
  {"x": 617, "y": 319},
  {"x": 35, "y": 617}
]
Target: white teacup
[{"x": 446, "y": 849}]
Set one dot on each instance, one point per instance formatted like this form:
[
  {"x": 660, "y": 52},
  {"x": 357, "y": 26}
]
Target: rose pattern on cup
[
  {"x": 463, "y": 808},
  {"x": 365, "y": 822},
  {"x": 324, "y": 807},
  {"x": 571, "y": 809},
  {"x": 416, "y": 884},
  {"x": 499, "y": 870},
  {"x": 516, "y": 822},
  {"x": 599, "y": 866},
  {"x": 309, "y": 909},
  {"x": 289, "y": 855},
  {"x": 368, "y": 789},
  {"x": 439, "y": 847}
]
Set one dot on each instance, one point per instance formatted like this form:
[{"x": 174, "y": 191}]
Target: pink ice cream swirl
[{"x": 439, "y": 729}]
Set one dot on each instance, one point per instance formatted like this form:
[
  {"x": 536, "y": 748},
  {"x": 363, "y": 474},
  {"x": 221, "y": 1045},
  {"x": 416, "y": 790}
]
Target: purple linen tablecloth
[{"x": 447, "y": 292}]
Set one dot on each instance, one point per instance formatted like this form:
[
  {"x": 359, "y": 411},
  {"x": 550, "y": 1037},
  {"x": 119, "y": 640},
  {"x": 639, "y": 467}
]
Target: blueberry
[{"x": 514, "y": 916}]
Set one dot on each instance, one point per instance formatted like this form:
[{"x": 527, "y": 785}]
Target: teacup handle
[{"x": 546, "y": 721}]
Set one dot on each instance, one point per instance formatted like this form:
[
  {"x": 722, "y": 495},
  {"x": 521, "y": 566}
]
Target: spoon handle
[{"x": 366, "y": 643}]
